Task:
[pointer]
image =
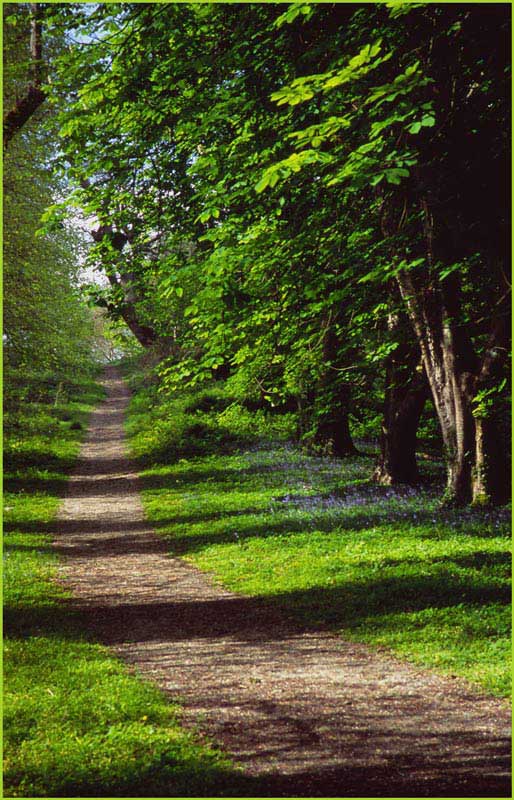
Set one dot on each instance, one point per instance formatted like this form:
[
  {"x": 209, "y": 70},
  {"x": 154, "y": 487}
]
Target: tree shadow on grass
[
  {"x": 247, "y": 620},
  {"x": 244, "y": 525},
  {"x": 152, "y": 770},
  {"x": 162, "y": 771},
  {"x": 478, "y": 559},
  {"x": 313, "y": 608},
  {"x": 420, "y": 771},
  {"x": 344, "y": 494},
  {"x": 344, "y": 764},
  {"x": 37, "y": 458},
  {"x": 50, "y": 486},
  {"x": 220, "y": 481},
  {"x": 85, "y": 526},
  {"x": 232, "y": 527}
]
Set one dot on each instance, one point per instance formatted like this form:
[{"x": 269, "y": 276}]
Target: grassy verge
[
  {"x": 76, "y": 723},
  {"x": 383, "y": 566}
]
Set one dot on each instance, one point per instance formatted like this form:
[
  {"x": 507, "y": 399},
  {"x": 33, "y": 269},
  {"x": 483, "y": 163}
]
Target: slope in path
[{"x": 309, "y": 713}]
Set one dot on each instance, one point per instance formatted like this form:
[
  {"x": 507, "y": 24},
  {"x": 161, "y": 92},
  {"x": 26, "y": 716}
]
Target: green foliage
[
  {"x": 47, "y": 327},
  {"x": 486, "y": 400},
  {"x": 307, "y": 163},
  {"x": 207, "y": 421},
  {"x": 278, "y": 189},
  {"x": 293, "y": 12},
  {"x": 46, "y": 324}
]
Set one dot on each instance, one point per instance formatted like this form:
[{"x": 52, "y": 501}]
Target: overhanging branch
[{"x": 16, "y": 118}]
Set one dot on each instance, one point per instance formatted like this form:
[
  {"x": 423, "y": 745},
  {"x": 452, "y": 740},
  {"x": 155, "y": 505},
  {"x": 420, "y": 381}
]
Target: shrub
[{"x": 197, "y": 423}]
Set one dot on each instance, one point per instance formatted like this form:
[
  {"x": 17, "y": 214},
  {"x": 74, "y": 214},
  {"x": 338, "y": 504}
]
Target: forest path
[{"x": 306, "y": 712}]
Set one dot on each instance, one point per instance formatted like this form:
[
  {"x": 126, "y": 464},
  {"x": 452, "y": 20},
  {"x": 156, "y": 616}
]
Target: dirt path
[{"x": 309, "y": 713}]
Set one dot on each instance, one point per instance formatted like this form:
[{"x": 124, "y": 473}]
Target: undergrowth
[
  {"x": 198, "y": 424},
  {"x": 76, "y": 723},
  {"x": 385, "y": 566}
]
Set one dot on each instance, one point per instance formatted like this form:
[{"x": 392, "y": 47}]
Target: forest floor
[{"x": 302, "y": 711}]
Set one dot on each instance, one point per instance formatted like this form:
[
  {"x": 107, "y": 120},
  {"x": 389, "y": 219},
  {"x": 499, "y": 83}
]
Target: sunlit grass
[
  {"x": 76, "y": 723},
  {"x": 384, "y": 566}
]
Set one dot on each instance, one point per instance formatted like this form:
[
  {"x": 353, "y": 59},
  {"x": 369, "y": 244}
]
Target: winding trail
[{"x": 303, "y": 710}]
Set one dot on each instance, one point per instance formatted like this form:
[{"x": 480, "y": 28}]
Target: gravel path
[{"x": 305, "y": 711}]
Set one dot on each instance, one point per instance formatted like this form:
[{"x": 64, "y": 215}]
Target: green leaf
[
  {"x": 263, "y": 183},
  {"x": 395, "y": 176},
  {"x": 294, "y": 11}
]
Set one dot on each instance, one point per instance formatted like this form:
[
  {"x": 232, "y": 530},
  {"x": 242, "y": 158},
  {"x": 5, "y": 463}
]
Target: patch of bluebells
[
  {"x": 321, "y": 487},
  {"x": 287, "y": 459},
  {"x": 419, "y": 505},
  {"x": 352, "y": 497},
  {"x": 377, "y": 503}
]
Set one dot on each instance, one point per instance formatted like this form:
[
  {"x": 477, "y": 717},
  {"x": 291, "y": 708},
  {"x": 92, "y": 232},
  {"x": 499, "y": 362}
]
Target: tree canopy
[{"x": 308, "y": 200}]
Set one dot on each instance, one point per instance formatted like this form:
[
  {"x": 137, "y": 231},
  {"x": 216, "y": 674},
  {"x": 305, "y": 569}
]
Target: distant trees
[
  {"x": 310, "y": 200},
  {"x": 46, "y": 325}
]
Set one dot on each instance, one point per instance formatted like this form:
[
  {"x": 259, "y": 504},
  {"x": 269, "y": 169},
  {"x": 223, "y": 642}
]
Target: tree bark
[
  {"x": 332, "y": 402},
  {"x": 491, "y": 472},
  {"x": 333, "y": 428},
  {"x": 436, "y": 339},
  {"x": 406, "y": 393},
  {"x": 16, "y": 118},
  {"x": 476, "y": 457},
  {"x": 145, "y": 334}
]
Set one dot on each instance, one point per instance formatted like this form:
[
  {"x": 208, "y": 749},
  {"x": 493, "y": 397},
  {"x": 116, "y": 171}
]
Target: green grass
[
  {"x": 76, "y": 723},
  {"x": 313, "y": 535},
  {"x": 309, "y": 534}
]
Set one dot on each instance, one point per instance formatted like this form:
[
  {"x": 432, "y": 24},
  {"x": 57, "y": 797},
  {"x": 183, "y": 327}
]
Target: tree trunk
[
  {"x": 403, "y": 406},
  {"x": 450, "y": 386},
  {"x": 405, "y": 394},
  {"x": 127, "y": 309},
  {"x": 333, "y": 430},
  {"x": 476, "y": 458},
  {"x": 491, "y": 470},
  {"x": 16, "y": 118},
  {"x": 332, "y": 402},
  {"x": 491, "y": 473}
]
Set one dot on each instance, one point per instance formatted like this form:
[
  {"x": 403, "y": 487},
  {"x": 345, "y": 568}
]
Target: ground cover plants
[
  {"x": 388, "y": 566},
  {"x": 76, "y": 723}
]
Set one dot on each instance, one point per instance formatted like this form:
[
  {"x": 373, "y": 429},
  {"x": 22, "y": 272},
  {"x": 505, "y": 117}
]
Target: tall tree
[
  {"x": 47, "y": 326},
  {"x": 443, "y": 67}
]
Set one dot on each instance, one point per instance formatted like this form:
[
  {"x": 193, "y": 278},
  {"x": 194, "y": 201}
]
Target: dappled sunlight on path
[{"x": 301, "y": 709}]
